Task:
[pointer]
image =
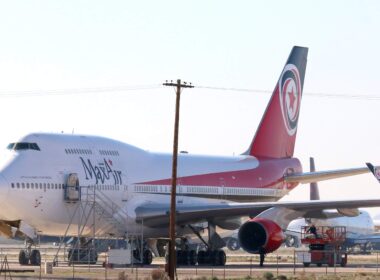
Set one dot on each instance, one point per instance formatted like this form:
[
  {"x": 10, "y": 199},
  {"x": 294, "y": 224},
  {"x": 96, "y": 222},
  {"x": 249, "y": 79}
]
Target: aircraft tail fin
[{"x": 276, "y": 134}]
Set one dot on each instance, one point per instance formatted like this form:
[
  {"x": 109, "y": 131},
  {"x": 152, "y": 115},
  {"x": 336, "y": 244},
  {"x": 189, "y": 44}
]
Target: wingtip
[{"x": 370, "y": 167}]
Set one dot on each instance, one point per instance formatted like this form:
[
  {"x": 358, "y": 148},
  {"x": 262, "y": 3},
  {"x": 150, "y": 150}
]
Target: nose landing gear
[{"x": 29, "y": 256}]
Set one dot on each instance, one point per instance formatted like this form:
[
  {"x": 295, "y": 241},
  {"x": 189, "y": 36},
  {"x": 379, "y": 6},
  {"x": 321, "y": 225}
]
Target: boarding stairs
[
  {"x": 114, "y": 216},
  {"x": 97, "y": 205}
]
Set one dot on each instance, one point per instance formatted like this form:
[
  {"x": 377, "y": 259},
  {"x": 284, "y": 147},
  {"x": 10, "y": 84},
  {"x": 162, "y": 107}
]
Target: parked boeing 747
[{"x": 49, "y": 181}]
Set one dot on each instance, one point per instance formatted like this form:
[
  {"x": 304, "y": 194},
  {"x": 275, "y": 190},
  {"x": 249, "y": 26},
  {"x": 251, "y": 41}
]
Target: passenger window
[{"x": 23, "y": 185}]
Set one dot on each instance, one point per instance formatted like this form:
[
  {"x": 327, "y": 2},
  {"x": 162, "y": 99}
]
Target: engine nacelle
[{"x": 259, "y": 232}]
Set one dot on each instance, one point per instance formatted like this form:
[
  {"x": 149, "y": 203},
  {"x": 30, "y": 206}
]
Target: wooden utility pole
[{"x": 172, "y": 223}]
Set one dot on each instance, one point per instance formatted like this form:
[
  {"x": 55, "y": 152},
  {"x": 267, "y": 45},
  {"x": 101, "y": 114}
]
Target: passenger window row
[
  {"x": 52, "y": 186},
  {"x": 78, "y": 151},
  {"x": 108, "y": 153},
  {"x": 36, "y": 186},
  {"x": 106, "y": 187}
]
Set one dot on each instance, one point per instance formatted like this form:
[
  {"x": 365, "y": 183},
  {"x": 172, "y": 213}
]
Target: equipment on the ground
[{"x": 325, "y": 245}]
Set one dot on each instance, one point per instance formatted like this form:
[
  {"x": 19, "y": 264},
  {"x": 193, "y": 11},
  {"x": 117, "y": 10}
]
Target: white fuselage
[{"x": 119, "y": 177}]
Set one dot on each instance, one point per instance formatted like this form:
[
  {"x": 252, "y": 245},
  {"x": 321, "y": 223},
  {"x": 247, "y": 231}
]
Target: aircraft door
[{"x": 72, "y": 188}]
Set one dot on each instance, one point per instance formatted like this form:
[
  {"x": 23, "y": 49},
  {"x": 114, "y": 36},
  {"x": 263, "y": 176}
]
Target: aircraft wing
[
  {"x": 310, "y": 177},
  {"x": 157, "y": 215}
]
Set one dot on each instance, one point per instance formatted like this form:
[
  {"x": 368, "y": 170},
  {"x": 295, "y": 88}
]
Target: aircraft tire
[
  {"x": 185, "y": 257},
  {"x": 193, "y": 257},
  {"x": 202, "y": 257},
  {"x": 179, "y": 257},
  {"x": 221, "y": 256},
  {"x": 213, "y": 258},
  {"x": 147, "y": 257},
  {"x": 22, "y": 258},
  {"x": 35, "y": 257}
]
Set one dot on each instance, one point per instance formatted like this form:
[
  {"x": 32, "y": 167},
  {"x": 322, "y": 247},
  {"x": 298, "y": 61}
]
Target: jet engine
[{"x": 259, "y": 232}]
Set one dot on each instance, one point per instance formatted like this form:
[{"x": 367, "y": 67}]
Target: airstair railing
[
  {"x": 81, "y": 226},
  {"x": 94, "y": 201}
]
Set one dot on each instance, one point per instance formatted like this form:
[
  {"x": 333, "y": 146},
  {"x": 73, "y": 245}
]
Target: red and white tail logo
[
  {"x": 276, "y": 134},
  {"x": 290, "y": 97}
]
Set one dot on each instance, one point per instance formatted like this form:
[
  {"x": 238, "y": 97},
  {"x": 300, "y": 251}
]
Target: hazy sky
[{"x": 61, "y": 63}]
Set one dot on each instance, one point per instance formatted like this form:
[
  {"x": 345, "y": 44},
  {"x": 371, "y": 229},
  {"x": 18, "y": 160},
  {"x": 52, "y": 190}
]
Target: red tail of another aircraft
[{"x": 276, "y": 134}]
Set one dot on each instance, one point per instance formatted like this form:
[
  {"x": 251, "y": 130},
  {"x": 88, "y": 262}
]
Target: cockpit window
[{"x": 23, "y": 146}]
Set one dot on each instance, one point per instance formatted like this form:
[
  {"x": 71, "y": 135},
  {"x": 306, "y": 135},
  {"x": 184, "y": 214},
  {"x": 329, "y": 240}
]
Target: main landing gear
[
  {"x": 208, "y": 257},
  {"x": 212, "y": 257},
  {"x": 147, "y": 256},
  {"x": 213, "y": 254},
  {"x": 140, "y": 251},
  {"x": 29, "y": 255}
]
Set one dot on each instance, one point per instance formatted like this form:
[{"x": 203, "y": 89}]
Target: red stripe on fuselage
[{"x": 268, "y": 174}]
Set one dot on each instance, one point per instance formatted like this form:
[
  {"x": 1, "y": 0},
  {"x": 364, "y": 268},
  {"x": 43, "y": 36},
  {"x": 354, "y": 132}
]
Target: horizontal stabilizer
[{"x": 310, "y": 177}]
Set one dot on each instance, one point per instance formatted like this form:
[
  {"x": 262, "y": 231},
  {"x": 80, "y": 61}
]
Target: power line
[
  {"x": 121, "y": 89},
  {"x": 344, "y": 96},
  {"x": 75, "y": 91},
  {"x": 313, "y": 94},
  {"x": 234, "y": 89}
]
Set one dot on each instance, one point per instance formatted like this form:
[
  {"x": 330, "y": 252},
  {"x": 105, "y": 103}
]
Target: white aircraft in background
[
  {"x": 50, "y": 183},
  {"x": 360, "y": 229}
]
